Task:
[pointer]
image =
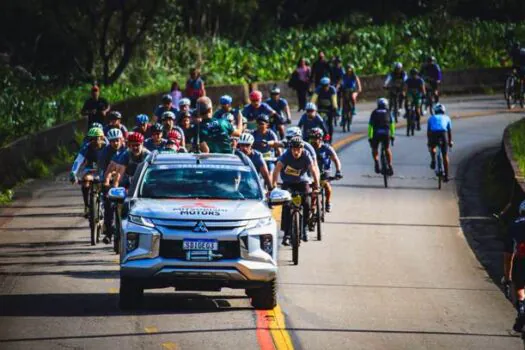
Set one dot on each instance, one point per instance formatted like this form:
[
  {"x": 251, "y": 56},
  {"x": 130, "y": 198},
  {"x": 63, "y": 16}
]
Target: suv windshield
[{"x": 200, "y": 181}]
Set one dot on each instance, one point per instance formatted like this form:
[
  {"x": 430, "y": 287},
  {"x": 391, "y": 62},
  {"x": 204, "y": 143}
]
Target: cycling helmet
[
  {"x": 141, "y": 119},
  {"x": 294, "y": 131},
  {"x": 350, "y": 67},
  {"x": 263, "y": 118},
  {"x": 439, "y": 109},
  {"x": 414, "y": 71},
  {"x": 398, "y": 65},
  {"x": 296, "y": 142},
  {"x": 255, "y": 95},
  {"x": 431, "y": 59},
  {"x": 316, "y": 133},
  {"x": 157, "y": 128},
  {"x": 174, "y": 135},
  {"x": 167, "y": 98},
  {"x": 97, "y": 125},
  {"x": 382, "y": 103},
  {"x": 114, "y": 115},
  {"x": 325, "y": 81},
  {"x": 522, "y": 208},
  {"x": 114, "y": 134},
  {"x": 226, "y": 100},
  {"x": 168, "y": 115},
  {"x": 246, "y": 139},
  {"x": 136, "y": 137},
  {"x": 184, "y": 102},
  {"x": 310, "y": 106},
  {"x": 275, "y": 90},
  {"x": 95, "y": 132}
]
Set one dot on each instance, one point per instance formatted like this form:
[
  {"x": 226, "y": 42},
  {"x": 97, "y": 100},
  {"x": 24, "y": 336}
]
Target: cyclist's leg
[
  {"x": 419, "y": 106},
  {"x": 374, "y": 145},
  {"x": 385, "y": 140},
  {"x": 304, "y": 187},
  {"x": 444, "y": 150},
  {"x": 285, "y": 220},
  {"x": 331, "y": 125},
  {"x": 328, "y": 191},
  {"x": 109, "y": 212},
  {"x": 518, "y": 279},
  {"x": 354, "y": 102}
]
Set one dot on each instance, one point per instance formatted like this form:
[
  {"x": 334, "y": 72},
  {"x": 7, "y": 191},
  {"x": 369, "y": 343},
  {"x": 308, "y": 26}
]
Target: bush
[
  {"x": 517, "y": 139},
  {"x": 37, "y": 168}
]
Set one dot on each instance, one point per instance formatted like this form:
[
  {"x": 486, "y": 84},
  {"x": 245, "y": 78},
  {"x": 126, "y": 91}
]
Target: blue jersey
[
  {"x": 91, "y": 155},
  {"x": 307, "y": 124},
  {"x": 251, "y": 113},
  {"x": 161, "y": 109},
  {"x": 257, "y": 159},
  {"x": 439, "y": 122},
  {"x": 336, "y": 74},
  {"x": 324, "y": 157},
  {"x": 349, "y": 82},
  {"x": 130, "y": 161},
  {"x": 260, "y": 146},
  {"x": 295, "y": 170},
  {"x": 279, "y": 106},
  {"x": 414, "y": 83},
  {"x": 151, "y": 146},
  {"x": 107, "y": 155}
]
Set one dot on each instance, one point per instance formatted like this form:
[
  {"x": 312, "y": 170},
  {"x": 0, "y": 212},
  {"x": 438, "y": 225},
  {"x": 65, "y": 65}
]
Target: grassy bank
[{"x": 517, "y": 139}]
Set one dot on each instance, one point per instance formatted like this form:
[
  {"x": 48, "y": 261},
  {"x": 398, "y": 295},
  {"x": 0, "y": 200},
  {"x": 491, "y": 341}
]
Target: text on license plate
[{"x": 200, "y": 244}]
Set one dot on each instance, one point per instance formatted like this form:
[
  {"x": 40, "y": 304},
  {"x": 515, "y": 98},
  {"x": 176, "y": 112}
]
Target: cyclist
[
  {"x": 115, "y": 147},
  {"x": 431, "y": 73},
  {"x": 88, "y": 159},
  {"x": 325, "y": 96},
  {"x": 115, "y": 122},
  {"x": 515, "y": 56},
  {"x": 265, "y": 140},
  {"x": 245, "y": 145},
  {"x": 311, "y": 119},
  {"x": 394, "y": 83},
  {"x": 125, "y": 163},
  {"x": 296, "y": 131},
  {"x": 325, "y": 156},
  {"x": 214, "y": 134},
  {"x": 86, "y": 138},
  {"x": 351, "y": 86},
  {"x": 293, "y": 167},
  {"x": 381, "y": 129},
  {"x": 255, "y": 108},
  {"x": 188, "y": 129},
  {"x": 439, "y": 134},
  {"x": 156, "y": 141},
  {"x": 514, "y": 264},
  {"x": 142, "y": 125},
  {"x": 168, "y": 124},
  {"x": 226, "y": 107},
  {"x": 174, "y": 142},
  {"x": 95, "y": 108},
  {"x": 414, "y": 90},
  {"x": 336, "y": 76},
  {"x": 166, "y": 106},
  {"x": 279, "y": 105},
  {"x": 184, "y": 106},
  {"x": 195, "y": 86}
]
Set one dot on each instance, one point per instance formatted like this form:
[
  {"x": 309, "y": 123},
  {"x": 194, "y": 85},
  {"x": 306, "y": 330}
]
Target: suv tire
[
  {"x": 131, "y": 294},
  {"x": 265, "y": 298}
]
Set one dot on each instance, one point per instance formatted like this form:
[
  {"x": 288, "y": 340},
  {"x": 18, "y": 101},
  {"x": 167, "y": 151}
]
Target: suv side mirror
[
  {"x": 117, "y": 194},
  {"x": 279, "y": 197}
]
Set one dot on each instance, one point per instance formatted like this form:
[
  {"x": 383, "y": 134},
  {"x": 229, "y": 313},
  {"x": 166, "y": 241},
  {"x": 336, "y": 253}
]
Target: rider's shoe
[
  {"x": 305, "y": 236},
  {"x": 390, "y": 171},
  {"x": 518, "y": 324},
  {"x": 311, "y": 226},
  {"x": 445, "y": 178},
  {"x": 106, "y": 239},
  {"x": 328, "y": 207},
  {"x": 376, "y": 168},
  {"x": 286, "y": 240},
  {"x": 418, "y": 127},
  {"x": 432, "y": 164},
  {"x": 86, "y": 212}
]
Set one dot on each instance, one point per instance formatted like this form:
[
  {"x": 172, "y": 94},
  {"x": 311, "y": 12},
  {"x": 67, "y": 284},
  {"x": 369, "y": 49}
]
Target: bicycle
[
  {"x": 322, "y": 194},
  {"x": 440, "y": 169},
  {"x": 384, "y": 164},
  {"x": 393, "y": 101},
  {"x": 95, "y": 207},
  {"x": 329, "y": 122},
  {"x": 348, "y": 109},
  {"x": 411, "y": 119},
  {"x": 296, "y": 228},
  {"x": 513, "y": 91},
  {"x": 429, "y": 98}
]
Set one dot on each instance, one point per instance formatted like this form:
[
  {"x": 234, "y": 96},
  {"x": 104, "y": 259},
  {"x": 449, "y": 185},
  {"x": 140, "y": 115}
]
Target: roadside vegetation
[{"x": 517, "y": 139}]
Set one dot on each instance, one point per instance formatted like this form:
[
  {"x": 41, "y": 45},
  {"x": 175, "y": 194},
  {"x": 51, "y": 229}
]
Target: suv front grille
[{"x": 172, "y": 249}]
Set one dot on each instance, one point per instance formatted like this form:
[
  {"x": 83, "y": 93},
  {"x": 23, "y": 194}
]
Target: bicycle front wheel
[
  {"x": 93, "y": 215},
  {"x": 384, "y": 168},
  {"x": 295, "y": 237},
  {"x": 318, "y": 218}
]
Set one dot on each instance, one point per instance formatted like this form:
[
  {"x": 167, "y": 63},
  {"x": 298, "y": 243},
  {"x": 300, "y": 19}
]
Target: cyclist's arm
[
  {"x": 314, "y": 97},
  {"x": 204, "y": 147},
  {"x": 449, "y": 132},
  {"x": 370, "y": 131},
  {"x": 322, "y": 125},
  {"x": 314, "y": 170},
  {"x": 423, "y": 88},
  {"x": 80, "y": 160},
  {"x": 301, "y": 121},
  {"x": 335, "y": 158},
  {"x": 239, "y": 120},
  {"x": 508, "y": 254},
  {"x": 276, "y": 172},
  {"x": 266, "y": 176},
  {"x": 287, "y": 112},
  {"x": 392, "y": 129},
  {"x": 358, "y": 83},
  {"x": 439, "y": 75},
  {"x": 334, "y": 101},
  {"x": 388, "y": 80}
]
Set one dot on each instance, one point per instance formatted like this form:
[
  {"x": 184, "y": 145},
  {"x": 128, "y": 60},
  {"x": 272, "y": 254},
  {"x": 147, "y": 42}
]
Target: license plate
[{"x": 200, "y": 244}]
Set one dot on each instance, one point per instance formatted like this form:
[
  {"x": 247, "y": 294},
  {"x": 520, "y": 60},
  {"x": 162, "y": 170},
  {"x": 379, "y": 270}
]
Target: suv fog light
[
  {"x": 267, "y": 243},
  {"x": 132, "y": 241}
]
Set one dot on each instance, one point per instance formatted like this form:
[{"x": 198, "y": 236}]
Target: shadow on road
[{"x": 388, "y": 224}]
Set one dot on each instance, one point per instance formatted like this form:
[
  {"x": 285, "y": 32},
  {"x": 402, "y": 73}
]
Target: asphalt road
[{"x": 393, "y": 271}]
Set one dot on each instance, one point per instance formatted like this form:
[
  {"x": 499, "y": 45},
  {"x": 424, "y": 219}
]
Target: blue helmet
[
  {"x": 439, "y": 109},
  {"x": 325, "y": 81},
  {"x": 225, "y": 100},
  {"x": 382, "y": 103},
  {"x": 141, "y": 119},
  {"x": 310, "y": 106}
]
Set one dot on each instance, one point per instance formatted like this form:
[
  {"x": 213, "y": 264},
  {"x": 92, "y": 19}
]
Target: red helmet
[
  {"x": 255, "y": 95},
  {"x": 136, "y": 137},
  {"x": 174, "y": 135}
]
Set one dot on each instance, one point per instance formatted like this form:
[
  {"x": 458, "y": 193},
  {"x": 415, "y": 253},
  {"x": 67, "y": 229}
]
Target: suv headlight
[
  {"x": 140, "y": 220},
  {"x": 266, "y": 243},
  {"x": 132, "y": 241}
]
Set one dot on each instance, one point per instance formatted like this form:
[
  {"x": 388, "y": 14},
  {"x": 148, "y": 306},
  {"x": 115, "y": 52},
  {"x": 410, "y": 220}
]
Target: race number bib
[{"x": 291, "y": 171}]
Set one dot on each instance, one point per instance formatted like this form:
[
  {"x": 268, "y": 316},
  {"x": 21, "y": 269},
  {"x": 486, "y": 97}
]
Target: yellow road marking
[
  {"x": 169, "y": 346},
  {"x": 113, "y": 290},
  {"x": 151, "y": 329},
  {"x": 116, "y": 260},
  {"x": 277, "y": 325}
]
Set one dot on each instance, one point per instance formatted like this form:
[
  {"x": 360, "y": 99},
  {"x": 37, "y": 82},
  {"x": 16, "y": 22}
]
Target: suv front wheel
[
  {"x": 264, "y": 298},
  {"x": 131, "y": 294}
]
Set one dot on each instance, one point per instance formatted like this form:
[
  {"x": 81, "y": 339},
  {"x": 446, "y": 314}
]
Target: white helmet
[
  {"x": 310, "y": 106},
  {"x": 294, "y": 131},
  {"x": 522, "y": 208},
  {"x": 246, "y": 139},
  {"x": 439, "y": 109},
  {"x": 114, "y": 134}
]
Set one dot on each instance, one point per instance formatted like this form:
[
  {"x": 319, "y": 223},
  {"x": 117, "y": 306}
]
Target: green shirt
[{"x": 216, "y": 133}]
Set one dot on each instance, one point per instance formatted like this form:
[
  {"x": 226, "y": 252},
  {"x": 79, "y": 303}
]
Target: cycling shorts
[
  {"x": 380, "y": 139},
  {"x": 415, "y": 98},
  {"x": 437, "y": 138},
  {"x": 518, "y": 273}
]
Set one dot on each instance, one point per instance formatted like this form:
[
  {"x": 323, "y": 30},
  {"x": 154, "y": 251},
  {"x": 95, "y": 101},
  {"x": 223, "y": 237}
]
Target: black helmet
[
  {"x": 414, "y": 71},
  {"x": 157, "y": 128},
  {"x": 167, "y": 98},
  {"x": 263, "y": 118},
  {"x": 296, "y": 142}
]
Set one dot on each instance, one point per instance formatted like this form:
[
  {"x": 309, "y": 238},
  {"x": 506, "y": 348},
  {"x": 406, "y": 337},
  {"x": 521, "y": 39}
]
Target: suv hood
[{"x": 199, "y": 209}]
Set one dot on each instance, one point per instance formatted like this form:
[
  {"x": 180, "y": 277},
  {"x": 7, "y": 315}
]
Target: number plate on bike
[
  {"x": 296, "y": 200},
  {"x": 200, "y": 244}
]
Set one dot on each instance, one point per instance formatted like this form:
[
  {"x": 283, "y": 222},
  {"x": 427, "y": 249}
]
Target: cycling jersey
[
  {"x": 380, "y": 123},
  {"x": 221, "y": 112},
  {"x": 121, "y": 127},
  {"x": 432, "y": 71},
  {"x": 194, "y": 88},
  {"x": 161, "y": 109},
  {"x": 515, "y": 238},
  {"x": 151, "y": 146},
  {"x": 257, "y": 159},
  {"x": 439, "y": 123},
  {"x": 130, "y": 161},
  {"x": 307, "y": 124},
  {"x": 216, "y": 133},
  {"x": 146, "y": 134},
  {"x": 251, "y": 113},
  {"x": 336, "y": 74},
  {"x": 295, "y": 170},
  {"x": 326, "y": 99},
  {"x": 349, "y": 82},
  {"x": 88, "y": 156},
  {"x": 414, "y": 84},
  {"x": 324, "y": 157},
  {"x": 260, "y": 146},
  {"x": 279, "y": 106},
  {"x": 396, "y": 79},
  {"x": 310, "y": 150},
  {"x": 107, "y": 155}
]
